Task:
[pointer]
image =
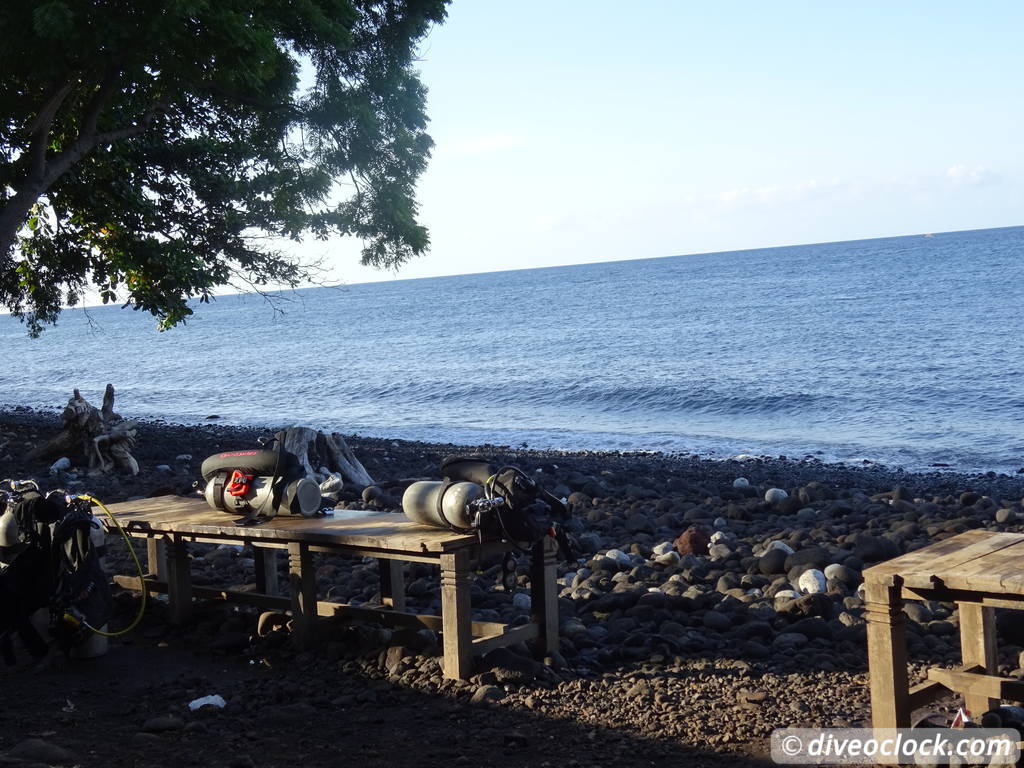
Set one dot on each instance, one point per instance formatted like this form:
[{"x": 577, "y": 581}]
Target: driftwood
[
  {"x": 101, "y": 437},
  {"x": 322, "y": 454}
]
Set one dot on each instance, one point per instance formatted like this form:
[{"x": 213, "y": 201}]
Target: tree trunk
[
  {"x": 100, "y": 437},
  {"x": 323, "y": 454}
]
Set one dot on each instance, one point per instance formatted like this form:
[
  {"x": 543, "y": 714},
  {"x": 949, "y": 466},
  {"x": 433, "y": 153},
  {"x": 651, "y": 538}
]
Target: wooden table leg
[
  {"x": 179, "y": 580},
  {"x": 456, "y": 615},
  {"x": 156, "y": 558},
  {"x": 303, "y": 587},
  {"x": 266, "y": 569},
  {"x": 978, "y": 646},
  {"x": 544, "y": 594},
  {"x": 887, "y": 656},
  {"x": 392, "y": 583}
]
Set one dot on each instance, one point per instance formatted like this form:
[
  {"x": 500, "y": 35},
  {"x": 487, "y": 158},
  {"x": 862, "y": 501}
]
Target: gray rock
[
  {"x": 842, "y": 573},
  {"x": 1005, "y": 515},
  {"x": 62, "y": 464},
  {"x": 772, "y": 562},
  {"x": 639, "y": 690},
  {"x": 163, "y": 723},
  {"x": 40, "y": 751},
  {"x": 918, "y": 612},
  {"x": 790, "y": 640},
  {"x": 717, "y": 621},
  {"x": 942, "y": 628},
  {"x": 487, "y": 694},
  {"x": 775, "y": 495}
]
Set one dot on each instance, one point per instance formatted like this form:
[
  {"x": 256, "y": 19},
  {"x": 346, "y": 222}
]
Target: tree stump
[
  {"x": 322, "y": 454},
  {"x": 101, "y": 437}
]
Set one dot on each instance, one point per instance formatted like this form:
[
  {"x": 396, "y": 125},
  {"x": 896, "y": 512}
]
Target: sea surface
[{"x": 905, "y": 351}]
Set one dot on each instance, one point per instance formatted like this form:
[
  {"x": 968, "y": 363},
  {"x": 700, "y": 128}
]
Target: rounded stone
[
  {"x": 772, "y": 562},
  {"x": 775, "y": 495},
  {"x": 740, "y": 482},
  {"x": 813, "y": 581}
]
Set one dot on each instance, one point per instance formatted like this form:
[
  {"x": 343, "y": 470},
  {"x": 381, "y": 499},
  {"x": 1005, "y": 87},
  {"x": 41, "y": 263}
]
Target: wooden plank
[
  {"x": 1001, "y": 572},
  {"x": 942, "y": 595},
  {"x": 978, "y": 684},
  {"x": 392, "y": 584},
  {"x": 456, "y": 633},
  {"x": 978, "y": 648},
  {"x": 926, "y": 556},
  {"x": 176, "y": 514},
  {"x": 302, "y": 580},
  {"x": 946, "y": 567},
  {"x": 544, "y": 595},
  {"x": 887, "y": 656},
  {"x": 266, "y": 570},
  {"x": 521, "y": 634},
  {"x": 156, "y": 557},
  {"x": 179, "y": 581},
  {"x": 925, "y": 693}
]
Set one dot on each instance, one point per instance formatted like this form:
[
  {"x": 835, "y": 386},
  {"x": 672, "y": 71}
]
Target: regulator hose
[{"x": 138, "y": 566}]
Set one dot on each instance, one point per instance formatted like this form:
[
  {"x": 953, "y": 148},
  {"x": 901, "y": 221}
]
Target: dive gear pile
[
  {"x": 259, "y": 484},
  {"x": 475, "y": 497},
  {"x": 50, "y": 557}
]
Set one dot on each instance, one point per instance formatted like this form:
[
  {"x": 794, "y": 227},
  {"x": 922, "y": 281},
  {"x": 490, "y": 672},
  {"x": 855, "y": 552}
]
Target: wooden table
[
  {"x": 170, "y": 523},
  {"x": 980, "y": 571}
]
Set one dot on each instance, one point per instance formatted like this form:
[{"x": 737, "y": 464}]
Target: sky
[{"x": 569, "y": 132}]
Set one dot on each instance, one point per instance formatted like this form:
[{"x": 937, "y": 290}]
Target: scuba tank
[
  {"x": 259, "y": 484},
  {"x": 475, "y": 497}
]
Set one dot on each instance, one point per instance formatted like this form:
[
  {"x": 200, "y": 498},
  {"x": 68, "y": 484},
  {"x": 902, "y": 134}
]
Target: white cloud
[
  {"x": 773, "y": 194},
  {"x": 974, "y": 176}
]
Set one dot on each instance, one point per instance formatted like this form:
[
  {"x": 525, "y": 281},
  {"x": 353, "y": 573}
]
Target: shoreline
[
  {"x": 216, "y": 432},
  {"x": 650, "y": 619}
]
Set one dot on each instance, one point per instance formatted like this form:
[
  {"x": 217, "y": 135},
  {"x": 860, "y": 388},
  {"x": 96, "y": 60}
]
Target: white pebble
[
  {"x": 833, "y": 571},
  {"x": 183, "y": 457},
  {"x": 216, "y": 700},
  {"x": 775, "y": 495},
  {"x": 812, "y": 582},
  {"x": 723, "y": 537},
  {"x": 719, "y": 552},
  {"x": 62, "y": 464},
  {"x": 720, "y": 524},
  {"x": 786, "y": 594},
  {"x": 618, "y": 556},
  {"x": 668, "y": 558},
  {"x": 661, "y": 549},
  {"x": 740, "y": 482},
  {"x": 779, "y": 544},
  {"x": 163, "y": 468}
]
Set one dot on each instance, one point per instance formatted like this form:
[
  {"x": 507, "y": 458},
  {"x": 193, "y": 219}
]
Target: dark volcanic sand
[{"x": 692, "y": 662}]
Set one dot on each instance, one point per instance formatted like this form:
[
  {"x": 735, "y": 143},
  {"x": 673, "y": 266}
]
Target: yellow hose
[{"x": 138, "y": 566}]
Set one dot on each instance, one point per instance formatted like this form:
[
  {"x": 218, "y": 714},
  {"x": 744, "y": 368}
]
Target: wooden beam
[
  {"x": 924, "y": 694},
  {"x": 302, "y": 580},
  {"x": 392, "y": 584},
  {"x": 978, "y": 648},
  {"x": 544, "y": 595},
  {"x": 887, "y": 655},
  {"x": 521, "y": 634},
  {"x": 978, "y": 684},
  {"x": 455, "y": 615}
]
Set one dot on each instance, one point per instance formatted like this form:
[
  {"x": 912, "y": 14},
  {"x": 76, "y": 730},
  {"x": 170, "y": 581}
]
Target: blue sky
[{"x": 570, "y": 132}]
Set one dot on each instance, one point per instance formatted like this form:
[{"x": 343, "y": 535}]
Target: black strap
[{"x": 508, "y": 572}]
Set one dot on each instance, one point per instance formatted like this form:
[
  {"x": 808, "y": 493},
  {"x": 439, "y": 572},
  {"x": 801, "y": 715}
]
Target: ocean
[{"x": 905, "y": 351}]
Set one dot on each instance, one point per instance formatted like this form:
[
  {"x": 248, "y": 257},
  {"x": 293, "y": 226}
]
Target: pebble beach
[{"x": 711, "y": 602}]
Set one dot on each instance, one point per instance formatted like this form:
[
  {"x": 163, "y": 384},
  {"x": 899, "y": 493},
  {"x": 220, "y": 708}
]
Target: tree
[{"x": 150, "y": 149}]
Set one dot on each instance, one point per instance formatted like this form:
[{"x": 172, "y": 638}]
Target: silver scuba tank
[{"x": 420, "y": 503}]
